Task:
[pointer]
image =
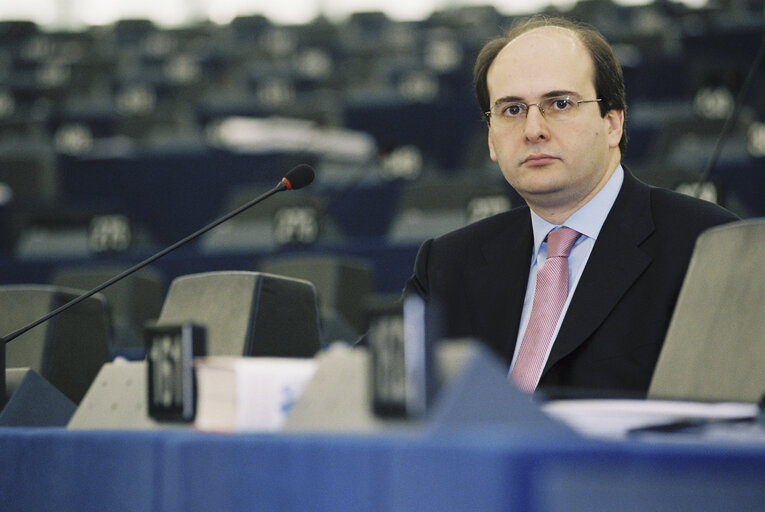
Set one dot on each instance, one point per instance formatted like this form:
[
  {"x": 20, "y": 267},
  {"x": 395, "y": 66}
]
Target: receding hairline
[{"x": 572, "y": 34}]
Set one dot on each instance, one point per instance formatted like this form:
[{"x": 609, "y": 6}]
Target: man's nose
[{"x": 535, "y": 125}]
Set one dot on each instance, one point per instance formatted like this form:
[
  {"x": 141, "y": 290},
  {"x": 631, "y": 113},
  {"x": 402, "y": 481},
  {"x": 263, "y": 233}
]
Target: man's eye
[
  {"x": 561, "y": 104},
  {"x": 513, "y": 110}
]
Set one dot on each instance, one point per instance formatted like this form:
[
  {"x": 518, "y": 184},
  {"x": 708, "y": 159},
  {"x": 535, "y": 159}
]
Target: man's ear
[
  {"x": 615, "y": 123},
  {"x": 492, "y": 153}
]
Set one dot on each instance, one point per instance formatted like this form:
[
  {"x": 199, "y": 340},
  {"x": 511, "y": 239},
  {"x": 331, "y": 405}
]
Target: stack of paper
[{"x": 237, "y": 394}]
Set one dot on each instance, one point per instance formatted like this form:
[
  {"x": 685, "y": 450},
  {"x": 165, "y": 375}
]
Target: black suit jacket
[{"x": 614, "y": 329}]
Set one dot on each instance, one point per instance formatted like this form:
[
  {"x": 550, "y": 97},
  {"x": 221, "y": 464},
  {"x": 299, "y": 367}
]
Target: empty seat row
[{"x": 292, "y": 309}]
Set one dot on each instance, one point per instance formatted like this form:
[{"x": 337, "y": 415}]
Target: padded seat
[
  {"x": 69, "y": 349},
  {"x": 133, "y": 301},
  {"x": 430, "y": 208},
  {"x": 715, "y": 344},
  {"x": 247, "y": 313},
  {"x": 298, "y": 220},
  {"x": 343, "y": 284}
]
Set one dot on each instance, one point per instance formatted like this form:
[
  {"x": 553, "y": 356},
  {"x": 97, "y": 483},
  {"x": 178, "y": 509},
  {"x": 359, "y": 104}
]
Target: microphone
[{"x": 297, "y": 178}]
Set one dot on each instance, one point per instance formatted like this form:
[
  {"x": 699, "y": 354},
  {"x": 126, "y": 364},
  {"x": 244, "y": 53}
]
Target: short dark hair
[{"x": 609, "y": 80}]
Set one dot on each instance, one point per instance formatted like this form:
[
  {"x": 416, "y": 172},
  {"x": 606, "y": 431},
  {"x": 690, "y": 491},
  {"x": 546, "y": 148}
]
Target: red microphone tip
[{"x": 298, "y": 177}]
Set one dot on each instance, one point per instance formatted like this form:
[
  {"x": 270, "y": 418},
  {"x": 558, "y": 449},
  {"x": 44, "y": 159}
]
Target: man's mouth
[{"x": 539, "y": 159}]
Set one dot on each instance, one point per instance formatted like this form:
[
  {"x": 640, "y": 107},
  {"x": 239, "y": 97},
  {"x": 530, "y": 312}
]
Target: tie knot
[{"x": 560, "y": 242}]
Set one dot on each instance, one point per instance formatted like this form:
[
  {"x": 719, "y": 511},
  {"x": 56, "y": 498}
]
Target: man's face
[{"x": 556, "y": 165}]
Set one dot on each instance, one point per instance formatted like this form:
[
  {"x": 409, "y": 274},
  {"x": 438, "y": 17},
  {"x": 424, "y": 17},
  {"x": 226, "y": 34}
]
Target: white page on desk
[{"x": 607, "y": 418}]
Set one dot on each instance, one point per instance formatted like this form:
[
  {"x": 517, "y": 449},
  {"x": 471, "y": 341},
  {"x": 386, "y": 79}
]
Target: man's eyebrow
[
  {"x": 551, "y": 94},
  {"x": 508, "y": 99},
  {"x": 555, "y": 94}
]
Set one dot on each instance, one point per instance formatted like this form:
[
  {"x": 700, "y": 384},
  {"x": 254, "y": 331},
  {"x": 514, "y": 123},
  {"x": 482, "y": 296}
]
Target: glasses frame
[{"x": 539, "y": 106}]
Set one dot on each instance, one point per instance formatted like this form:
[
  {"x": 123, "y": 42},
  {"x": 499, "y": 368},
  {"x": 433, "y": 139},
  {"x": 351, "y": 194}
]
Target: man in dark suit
[{"x": 553, "y": 95}]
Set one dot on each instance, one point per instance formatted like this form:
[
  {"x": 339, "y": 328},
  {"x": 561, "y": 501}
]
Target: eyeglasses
[{"x": 558, "y": 108}]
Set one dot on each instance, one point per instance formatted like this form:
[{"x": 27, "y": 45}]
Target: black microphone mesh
[{"x": 300, "y": 176}]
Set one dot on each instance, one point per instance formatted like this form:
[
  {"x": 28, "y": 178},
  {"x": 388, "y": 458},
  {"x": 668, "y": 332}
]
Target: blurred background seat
[
  {"x": 69, "y": 349},
  {"x": 431, "y": 207},
  {"x": 343, "y": 285},
  {"x": 133, "y": 301},
  {"x": 284, "y": 220}
]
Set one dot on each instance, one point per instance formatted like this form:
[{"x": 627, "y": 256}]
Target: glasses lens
[{"x": 559, "y": 108}]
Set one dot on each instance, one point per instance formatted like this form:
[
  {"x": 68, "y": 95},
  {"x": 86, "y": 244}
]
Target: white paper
[
  {"x": 249, "y": 393},
  {"x": 616, "y": 418}
]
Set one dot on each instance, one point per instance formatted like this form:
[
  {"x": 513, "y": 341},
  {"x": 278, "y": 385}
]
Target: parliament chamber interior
[{"x": 118, "y": 141}]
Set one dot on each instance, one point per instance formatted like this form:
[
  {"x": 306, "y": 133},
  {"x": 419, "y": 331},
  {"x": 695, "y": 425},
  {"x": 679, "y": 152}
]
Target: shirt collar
[{"x": 589, "y": 218}]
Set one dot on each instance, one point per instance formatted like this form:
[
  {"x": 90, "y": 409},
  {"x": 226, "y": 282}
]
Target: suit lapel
[
  {"x": 615, "y": 263},
  {"x": 499, "y": 287}
]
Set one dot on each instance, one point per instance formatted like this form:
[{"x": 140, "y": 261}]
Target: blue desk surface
[{"x": 471, "y": 469}]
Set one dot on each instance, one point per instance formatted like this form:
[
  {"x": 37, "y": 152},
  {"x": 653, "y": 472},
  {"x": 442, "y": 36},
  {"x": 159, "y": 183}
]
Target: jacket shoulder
[{"x": 674, "y": 207}]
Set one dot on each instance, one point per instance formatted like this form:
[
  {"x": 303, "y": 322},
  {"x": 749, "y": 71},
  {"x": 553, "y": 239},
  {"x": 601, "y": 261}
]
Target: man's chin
[
  {"x": 543, "y": 186},
  {"x": 549, "y": 195}
]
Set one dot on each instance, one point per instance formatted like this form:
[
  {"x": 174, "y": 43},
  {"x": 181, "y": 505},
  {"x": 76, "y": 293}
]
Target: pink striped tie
[{"x": 549, "y": 297}]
